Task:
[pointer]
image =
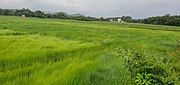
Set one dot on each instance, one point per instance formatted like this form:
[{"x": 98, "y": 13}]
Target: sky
[{"x": 98, "y": 8}]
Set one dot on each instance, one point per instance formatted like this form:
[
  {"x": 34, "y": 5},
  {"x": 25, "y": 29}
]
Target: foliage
[
  {"x": 161, "y": 20},
  {"x": 127, "y": 18},
  {"x": 147, "y": 70},
  {"x": 143, "y": 79},
  {"x": 158, "y": 20},
  {"x": 40, "y": 14}
]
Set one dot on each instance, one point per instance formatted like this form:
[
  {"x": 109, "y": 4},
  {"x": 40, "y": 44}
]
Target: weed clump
[{"x": 146, "y": 70}]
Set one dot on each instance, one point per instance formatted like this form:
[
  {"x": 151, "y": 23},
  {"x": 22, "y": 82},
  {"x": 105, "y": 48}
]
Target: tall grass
[{"x": 67, "y": 52}]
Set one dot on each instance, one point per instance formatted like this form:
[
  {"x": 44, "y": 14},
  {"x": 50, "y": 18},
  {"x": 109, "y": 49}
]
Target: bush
[{"x": 146, "y": 70}]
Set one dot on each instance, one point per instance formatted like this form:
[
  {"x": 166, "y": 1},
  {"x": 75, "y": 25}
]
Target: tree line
[
  {"x": 58, "y": 15},
  {"x": 40, "y": 14},
  {"x": 160, "y": 20},
  {"x": 157, "y": 20}
]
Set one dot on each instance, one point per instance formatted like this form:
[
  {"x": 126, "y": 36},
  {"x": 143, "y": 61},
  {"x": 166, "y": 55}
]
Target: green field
[{"x": 67, "y": 52}]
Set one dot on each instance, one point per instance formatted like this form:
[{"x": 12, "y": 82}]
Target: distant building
[
  {"x": 23, "y": 16},
  {"x": 116, "y": 19},
  {"x": 111, "y": 20},
  {"x": 119, "y": 20}
]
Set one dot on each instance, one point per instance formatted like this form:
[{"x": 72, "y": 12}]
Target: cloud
[
  {"x": 135, "y": 8},
  {"x": 12, "y": 3}
]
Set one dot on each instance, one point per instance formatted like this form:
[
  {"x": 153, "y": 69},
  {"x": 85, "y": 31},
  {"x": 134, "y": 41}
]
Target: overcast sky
[{"x": 97, "y": 8}]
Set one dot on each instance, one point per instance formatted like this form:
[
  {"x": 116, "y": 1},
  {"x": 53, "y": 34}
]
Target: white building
[
  {"x": 119, "y": 20},
  {"x": 23, "y": 16},
  {"x": 111, "y": 20}
]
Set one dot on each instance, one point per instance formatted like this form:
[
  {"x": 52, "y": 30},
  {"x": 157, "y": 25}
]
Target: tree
[
  {"x": 39, "y": 14},
  {"x": 161, "y": 20},
  {"x": 26, "y": 12},
  {"x": 6, "y": 12},
  {"x": 127, "y": 18},
  {"x": 1, "y": 11},
  {"x": 49, "y": 16},
  {"x": 91, "y": 19},
  {"x": 62, "y": 15},
  {"x": 102, "y": 19}
]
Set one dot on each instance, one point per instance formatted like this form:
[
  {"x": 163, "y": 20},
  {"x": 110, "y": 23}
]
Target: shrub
[{"x": 147, "y": 70}]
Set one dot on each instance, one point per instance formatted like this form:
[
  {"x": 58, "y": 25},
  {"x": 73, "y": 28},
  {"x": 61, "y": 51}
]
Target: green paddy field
[{"x": 37, "y": 51}]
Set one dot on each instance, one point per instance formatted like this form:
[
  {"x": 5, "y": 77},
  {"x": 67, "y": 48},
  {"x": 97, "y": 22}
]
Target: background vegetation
[
  {"x": 158, "y": 20},
  {"x": 161, "y": 20},
  {"x": 40, "y": 14}
]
